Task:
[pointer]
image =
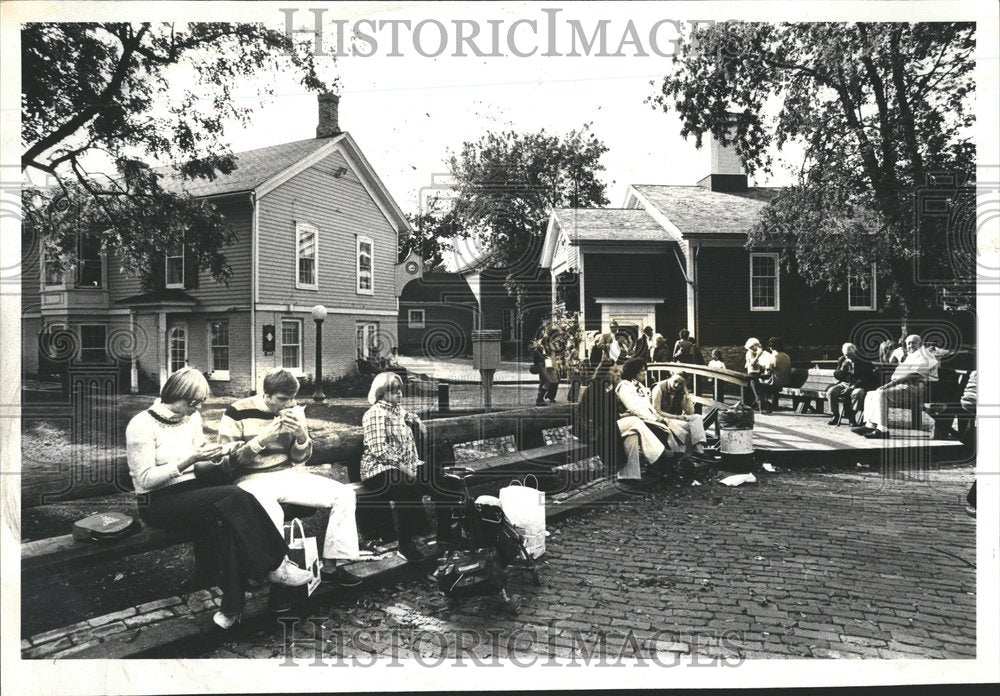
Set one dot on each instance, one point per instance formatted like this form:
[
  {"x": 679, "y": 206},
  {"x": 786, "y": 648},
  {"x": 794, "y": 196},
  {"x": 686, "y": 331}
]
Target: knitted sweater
[
  {"x": 157, "y": 440},
  {"x": 243, "y": 421}
]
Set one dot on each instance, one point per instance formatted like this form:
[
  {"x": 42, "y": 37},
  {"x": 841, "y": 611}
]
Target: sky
[{"x": 408, "y": 112}]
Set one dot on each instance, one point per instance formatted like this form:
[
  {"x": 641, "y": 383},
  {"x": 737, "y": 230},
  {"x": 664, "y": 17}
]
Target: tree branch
[{"x": 88, "y": 112}]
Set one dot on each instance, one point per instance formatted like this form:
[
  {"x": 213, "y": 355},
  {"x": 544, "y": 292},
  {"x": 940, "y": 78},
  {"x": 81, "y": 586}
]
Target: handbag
[
  {"x": 525, "y": 508},
  {"x": 105, "y": 526},
  {"x": 302, "y": 550},
  {"x": 534, "y": 369}
]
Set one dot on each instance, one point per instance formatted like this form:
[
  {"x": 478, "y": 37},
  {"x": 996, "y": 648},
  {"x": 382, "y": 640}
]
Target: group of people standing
[{"x": 237, "y": 527}]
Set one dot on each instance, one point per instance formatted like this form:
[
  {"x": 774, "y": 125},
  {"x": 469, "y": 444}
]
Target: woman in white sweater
[{"x": 234, "y": 539}]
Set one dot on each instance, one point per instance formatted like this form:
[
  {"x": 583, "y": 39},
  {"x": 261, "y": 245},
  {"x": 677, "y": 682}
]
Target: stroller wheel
[{"x": 535, "y": 577}]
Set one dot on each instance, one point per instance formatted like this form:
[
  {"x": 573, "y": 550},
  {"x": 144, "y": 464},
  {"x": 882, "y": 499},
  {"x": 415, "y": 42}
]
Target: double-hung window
[
  {"x": 861, "y": 290},
  {"x": 415, "y": 319},
  {"x": 765, "y": 284},
  {"x": 306, "y": 257},
  {"x": 175, "y": 267},
  {"x": 90, "y": 265},
  {"x": 291, "y": 344},
  {"x": 93, "y": 343},
  {"x": 366, "y": 284},
  {"x": 218, "y": 338}
]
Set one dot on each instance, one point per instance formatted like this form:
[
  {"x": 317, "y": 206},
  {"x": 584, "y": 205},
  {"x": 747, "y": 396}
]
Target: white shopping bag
[
  {"x": 303, "y": 551},
  {"x": 525, "y": 508}
]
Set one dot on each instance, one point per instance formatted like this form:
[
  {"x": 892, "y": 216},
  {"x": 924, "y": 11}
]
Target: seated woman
[
  {"x": 854, "y": 378},
  {"x": 660, "y": 438},
  {"x": 389, "y": 466},
  {"x": 760, "y": 366},
  {"x": 907, "y": 388},
  {"x": 672, "y": 400},
  {"x": 234, "y": 539}
]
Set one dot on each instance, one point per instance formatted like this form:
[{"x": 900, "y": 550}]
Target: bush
[{"x": 348, "y": 385}]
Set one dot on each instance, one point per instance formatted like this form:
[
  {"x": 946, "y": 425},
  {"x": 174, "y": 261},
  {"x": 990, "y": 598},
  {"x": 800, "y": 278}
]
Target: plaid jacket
[{"x": 388, "y": 441}]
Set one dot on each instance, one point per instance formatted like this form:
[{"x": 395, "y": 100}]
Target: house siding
[
  {"x": 636, "y": 275},
  {"x": 341, "y": 209},
  {"x": 807, "y": 316},
  {"x": 238, "y": 255},
  {"x": 339, "y": 341}
]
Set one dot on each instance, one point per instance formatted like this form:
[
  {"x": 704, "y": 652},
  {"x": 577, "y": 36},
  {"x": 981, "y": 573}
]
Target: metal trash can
[{"x": 736, "y": 438}]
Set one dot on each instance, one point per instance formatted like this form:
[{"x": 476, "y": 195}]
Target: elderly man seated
[{"x": 907, "y": 387}]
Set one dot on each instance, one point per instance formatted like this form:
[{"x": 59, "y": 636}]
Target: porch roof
[{"x": 173, "y": 298}]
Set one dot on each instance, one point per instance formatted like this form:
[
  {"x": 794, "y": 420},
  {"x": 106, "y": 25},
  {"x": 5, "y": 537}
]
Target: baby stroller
[{"x": 482, "y": 547}]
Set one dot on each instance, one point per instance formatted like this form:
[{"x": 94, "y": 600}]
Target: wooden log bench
[
  {"x": 526, "y": 426},
  {"x": 945, "y": 407}
]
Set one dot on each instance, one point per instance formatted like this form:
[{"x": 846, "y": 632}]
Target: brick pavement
[{"x": 802, "y": 564}]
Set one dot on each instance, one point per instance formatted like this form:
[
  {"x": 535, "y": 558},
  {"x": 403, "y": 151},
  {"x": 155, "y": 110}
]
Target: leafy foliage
[
  {"x": 880, "y": 108},
  {"x": 433, "y": 229},
  {"x": 560, "y": 338},
  {"x": 507, "y": 183},
  {"x": 112, "y": 91}
]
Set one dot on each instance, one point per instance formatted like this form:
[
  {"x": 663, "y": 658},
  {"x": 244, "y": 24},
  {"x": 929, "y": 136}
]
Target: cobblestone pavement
[{"x": 834, "y": 565}]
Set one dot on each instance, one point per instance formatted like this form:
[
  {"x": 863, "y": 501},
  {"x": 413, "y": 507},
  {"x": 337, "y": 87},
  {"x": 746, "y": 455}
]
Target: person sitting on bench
[
  {"x": 672, "y": 400},
  {"x": 389, "y": 466},
  {"x": 660, "y": 438},
  {"x": 277, "y": 445},
  {"x": 234, "y": 539},
  {"x": 907, "y": 387},
  {"x": 855, "y": 376}
]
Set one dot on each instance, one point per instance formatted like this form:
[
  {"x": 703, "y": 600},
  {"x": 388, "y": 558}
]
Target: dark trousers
[
  {"x": 234, "y": 539},
  {"x": 546, "y": 389},
  {"x": 406, "y": 492},
  {"x": 851, "y": 396},
  {"x": 762, "y": 392}
]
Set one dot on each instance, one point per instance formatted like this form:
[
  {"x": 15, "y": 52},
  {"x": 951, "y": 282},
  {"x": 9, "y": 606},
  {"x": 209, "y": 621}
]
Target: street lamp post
[{"x": 318, "y": 315}]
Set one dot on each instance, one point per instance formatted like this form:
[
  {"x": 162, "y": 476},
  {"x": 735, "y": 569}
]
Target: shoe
[
  {"x": 411, "y": 553},
  {"x": 630, "y": 485},
  {"x": 225, "y": 621},
  {"x": 970, "y": 511},
  {"x": 862, "y": 430},
  {"x": 877, "y": 435},
  {"x": 834, "y": 421},
  {"x": 289, "y": 574},
  {"x": 540, "y": 402},
  {"x": 341, "y": 575}
]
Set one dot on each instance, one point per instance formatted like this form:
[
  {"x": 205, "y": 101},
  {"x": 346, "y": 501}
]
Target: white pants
[
  {"x": 311, "y": 490},
  {"x": 696, "y": 428},
  {"x": 878, "y": 401},
  {"x": 651, "y": 447}
]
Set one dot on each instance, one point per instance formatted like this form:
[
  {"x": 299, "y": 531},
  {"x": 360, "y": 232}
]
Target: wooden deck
[{"x": 794, "y": 438}]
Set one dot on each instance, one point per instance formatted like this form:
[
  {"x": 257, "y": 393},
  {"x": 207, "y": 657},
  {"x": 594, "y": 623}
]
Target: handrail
[{"x": 741, "y": 379}]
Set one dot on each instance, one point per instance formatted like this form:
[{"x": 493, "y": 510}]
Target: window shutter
[{"x": 157, "y": 278}]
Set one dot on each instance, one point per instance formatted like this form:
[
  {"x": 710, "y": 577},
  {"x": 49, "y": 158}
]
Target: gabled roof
[
  {"x": 597, "y": 225},
  {"x": 266, "y": 168},
  {"x": 695, "y": 210},
  {"x": 253, "y": 168}
]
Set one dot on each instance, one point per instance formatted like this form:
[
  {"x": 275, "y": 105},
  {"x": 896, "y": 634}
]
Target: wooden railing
[{"x": 658, "y": 371}]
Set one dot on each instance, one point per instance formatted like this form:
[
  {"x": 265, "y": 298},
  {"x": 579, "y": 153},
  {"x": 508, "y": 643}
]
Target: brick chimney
[
  {"x": 726, "y": 173},
  {"x": 329, "y": 106}
]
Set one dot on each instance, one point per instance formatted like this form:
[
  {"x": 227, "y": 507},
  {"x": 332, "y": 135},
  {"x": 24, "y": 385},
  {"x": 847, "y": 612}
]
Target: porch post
[{"x": 163, "y": 350}]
